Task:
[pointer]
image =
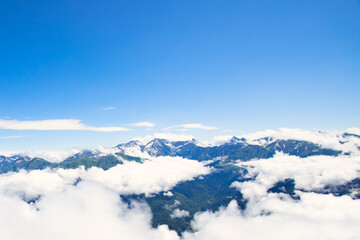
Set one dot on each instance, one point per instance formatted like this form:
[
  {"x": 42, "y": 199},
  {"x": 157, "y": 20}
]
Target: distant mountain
[
  {"x": 234, "y": 149},
  {"x": 18, "y": 162},
  {"x": 85, "y": 158},
  {"x": 300, "y": 148},
  {"x": 88, "y": 158}
]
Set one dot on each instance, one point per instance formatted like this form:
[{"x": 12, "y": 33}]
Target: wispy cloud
[
  {"x": 10, "y": 137},
  {"x": 192, "y": 126},
  {"x": 142, "y": 124},
  {"x": 108, "y": 108},
  {"x": 55, "y": 124}
]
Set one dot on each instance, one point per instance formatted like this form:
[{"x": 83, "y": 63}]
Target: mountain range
[
  {"x": 234, "y": 149},
  {"x": 208, "y": 192}
]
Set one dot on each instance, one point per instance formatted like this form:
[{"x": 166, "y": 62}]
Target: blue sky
[{"x": 239, "y": 66}]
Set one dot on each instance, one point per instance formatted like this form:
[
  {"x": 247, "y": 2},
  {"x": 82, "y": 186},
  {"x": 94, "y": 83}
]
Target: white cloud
[
  {"x": 108, "y": 108},
  {"x": 153, "y": 176},
  {"x": 86, "y": 211},
  {"x": 315, "y": 217},
  {"x": 192, "y": 126},
  {"x": 10, "y": 137},
  {"x": 354, "y": 130},
  {"x": 177, "y": 213},
  {"x": 277, "y": 216},
  {"x": 219, "y": 140},
  {"x": 168, "y": 194},
  {"x": 92, "y": 209},
  {"x": 182, "y": 129},
  {"x": 309, "y": 173},
  {"x": 142, "y": 124},
  {"x": 55, "y": 124}
]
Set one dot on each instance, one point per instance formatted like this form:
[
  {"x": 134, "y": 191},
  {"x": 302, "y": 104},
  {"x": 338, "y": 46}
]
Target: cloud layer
[
  {"x": 276, "y": 215},
  {"x": 91, "y": 209},
  {"x": 86, "y": 211},
  {"x": 314, "y": 217},
  {"x": 152, "y": 176}
]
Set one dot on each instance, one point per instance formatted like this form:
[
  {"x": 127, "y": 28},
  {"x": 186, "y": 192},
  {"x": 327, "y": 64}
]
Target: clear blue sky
[{"x": 240, "y": 66}]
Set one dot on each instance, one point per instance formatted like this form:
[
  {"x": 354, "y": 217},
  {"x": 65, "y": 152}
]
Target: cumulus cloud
[
  {"x": 177, "y": 213},
  {"x": 276, "y": 215},
  {"x": 143, "y": 124},
  {"x": 309, "y": 173},
  {"x": 55, "y": 124},
  {"x": 153, "y": 176},
  {"x": 92, "y": 208},
  {"x": 168, "y": 194},
  {"x": 108, "y": 108},
  {"x": 192, "y": 126},
  {"x": 86, "y": 211},
  {"x": 315, "y": 217}
]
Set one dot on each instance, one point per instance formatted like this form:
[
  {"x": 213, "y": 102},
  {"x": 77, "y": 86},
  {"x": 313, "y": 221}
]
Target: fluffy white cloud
[
  {"x": 177, "y": 213},
  {"x": 91, "y": 209},
  {"x": 315, "y": 217},
  {"x": 55, "y": 124},
  {"x": 192, "y": 126},
  {"x": 143, "y": 124},
  {"x": 38, "y": 182},
  {"x": 86, "y": 211},
  {"x": 309, "y": 173},
  {"x": 152, "y": 176},
  {"x": 277, "y": 216}
]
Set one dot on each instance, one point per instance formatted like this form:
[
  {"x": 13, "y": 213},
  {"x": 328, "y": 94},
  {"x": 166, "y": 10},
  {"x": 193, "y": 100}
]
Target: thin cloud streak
[
  {"x": 10, "y": 137},
  {"x": 55, "y": 124},
  {"x": 108, "y": 108},
  {"x": 142, "y": 124}
]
